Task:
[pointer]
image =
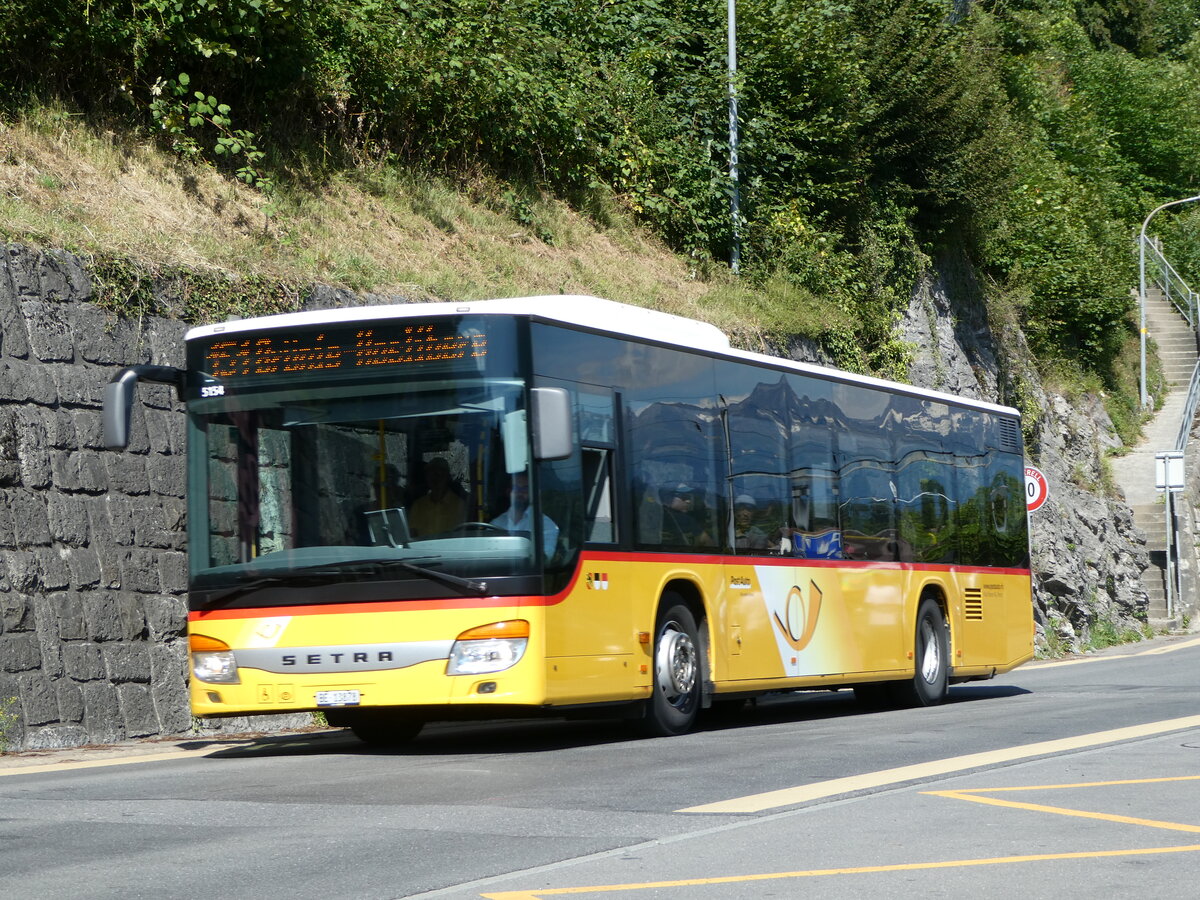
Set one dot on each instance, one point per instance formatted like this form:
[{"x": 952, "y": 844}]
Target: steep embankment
[{"x": 137, "y": 215}]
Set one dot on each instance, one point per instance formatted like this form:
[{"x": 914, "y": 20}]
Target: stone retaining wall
[{"x": 93, "y": 570}]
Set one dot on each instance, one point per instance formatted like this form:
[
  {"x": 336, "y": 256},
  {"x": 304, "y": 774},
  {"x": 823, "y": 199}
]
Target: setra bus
[{"x": 562, "y": 504}]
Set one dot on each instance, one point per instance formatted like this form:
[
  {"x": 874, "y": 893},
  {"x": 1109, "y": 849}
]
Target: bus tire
[
  {"x": 678, "y": 674},
  {"x": 384, "y": 730},
  {"x": 931, "y": 653}
]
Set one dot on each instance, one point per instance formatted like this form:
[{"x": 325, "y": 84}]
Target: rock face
[
  {"x": 1087, "y": 556},
  {"x": 953, "y": 348},
  {"x": 93, "y": 570}
]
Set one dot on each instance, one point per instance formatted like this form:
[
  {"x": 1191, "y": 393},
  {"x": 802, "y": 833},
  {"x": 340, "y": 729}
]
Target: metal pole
[
  {"x": 735, "y": 254},
  {"x": 1144, "y": 395},
  {"x": 1142, "y": 290},
  {"x": 1170, "y": 581}
]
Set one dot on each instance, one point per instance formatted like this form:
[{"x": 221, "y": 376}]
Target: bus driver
[{"x": 518, "y": 516}]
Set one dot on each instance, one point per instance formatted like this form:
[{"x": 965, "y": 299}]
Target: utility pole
[{"x": 735, "y": 254}]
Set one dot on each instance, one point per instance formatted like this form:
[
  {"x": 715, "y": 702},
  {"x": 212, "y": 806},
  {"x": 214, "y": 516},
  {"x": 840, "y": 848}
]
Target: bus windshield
[{"x": 363, "y": 480}]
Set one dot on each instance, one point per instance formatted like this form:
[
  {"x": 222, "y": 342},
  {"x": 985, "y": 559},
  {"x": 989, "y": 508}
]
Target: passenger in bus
[
  {"x": 681, "y": 526},
  {"x": 440, "y": 509},
  {"x": 519, "y": 515},
  {"x": 746, "y": 534}
]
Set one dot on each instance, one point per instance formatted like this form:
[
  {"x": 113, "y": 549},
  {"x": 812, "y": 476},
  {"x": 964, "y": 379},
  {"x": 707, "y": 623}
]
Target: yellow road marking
[
  {"x": 1156, "y": 651},
  {"x": 815, "y": 873},
  {"x": 833, "y": 787},
  {"x": 1062, "y": 811},
  {"x": 1056, "y": 664},
  {"x": 1077, "y": 784},
  {"x": 36, "y": 769},
  {"x": 972, "y": 794},
  {"x": 1170, "y": 648}
]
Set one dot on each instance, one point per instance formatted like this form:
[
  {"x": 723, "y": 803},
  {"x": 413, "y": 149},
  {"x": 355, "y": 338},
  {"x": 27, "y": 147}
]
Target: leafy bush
[{"x": 875, "y": 133}]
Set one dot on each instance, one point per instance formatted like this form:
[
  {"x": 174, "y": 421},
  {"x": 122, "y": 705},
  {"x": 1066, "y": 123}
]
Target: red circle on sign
[{"x": 1036, "y": 489}]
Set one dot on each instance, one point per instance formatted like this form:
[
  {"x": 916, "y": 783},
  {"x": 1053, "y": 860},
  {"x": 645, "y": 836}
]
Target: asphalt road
[{"x": 1069, "y": 779}]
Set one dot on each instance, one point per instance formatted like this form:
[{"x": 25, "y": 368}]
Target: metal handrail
[
  {"x": 1189, "y": 410},
  {"x": 1172, "y": 283}
]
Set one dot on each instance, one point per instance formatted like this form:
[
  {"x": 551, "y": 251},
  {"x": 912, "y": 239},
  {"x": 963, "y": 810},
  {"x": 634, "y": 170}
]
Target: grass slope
[{"x": 109, "y": 197}]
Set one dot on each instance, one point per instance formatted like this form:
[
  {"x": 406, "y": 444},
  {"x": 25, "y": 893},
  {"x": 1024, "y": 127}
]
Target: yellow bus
[{"x": 559, "y": 505}]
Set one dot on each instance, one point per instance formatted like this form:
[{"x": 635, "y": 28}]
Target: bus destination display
[{"x": 329, "y": 349}]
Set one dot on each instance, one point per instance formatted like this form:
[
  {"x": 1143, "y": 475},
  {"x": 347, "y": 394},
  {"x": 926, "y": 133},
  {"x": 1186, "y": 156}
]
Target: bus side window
[
  {"x": 813, "y": 529},
  {"x": 599, "y": 526},
  {"x": 597, "y": 436}
]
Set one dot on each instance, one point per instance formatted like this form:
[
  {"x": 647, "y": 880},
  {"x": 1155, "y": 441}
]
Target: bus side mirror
[
  {"x": 118, "y": 399},
  {"x": 553, "y": 424}
]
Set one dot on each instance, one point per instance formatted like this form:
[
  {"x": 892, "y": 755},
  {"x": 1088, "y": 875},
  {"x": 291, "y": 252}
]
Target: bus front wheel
[
  {"x": 678, "y": 674},
  {"x": 382, "y": 729},
  {"x": 931, "y": 652}
]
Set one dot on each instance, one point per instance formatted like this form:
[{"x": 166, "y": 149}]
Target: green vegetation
[
  {"x": 1052, "y": 645},
  {"x": 1104, "y": 632},
  {"x": 1109, "y": 633},
  {"x": 879, "y": 137}
]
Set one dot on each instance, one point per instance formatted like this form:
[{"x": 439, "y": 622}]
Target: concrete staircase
[{"x": 1134, "y": 472}]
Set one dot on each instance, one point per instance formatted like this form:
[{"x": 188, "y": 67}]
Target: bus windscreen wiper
[
  {"x": 240, "y": 590},
  {"x": 328, "y": 574},
  {"x": 414, "y": 565},
  {"x": 466, "y": 584}
]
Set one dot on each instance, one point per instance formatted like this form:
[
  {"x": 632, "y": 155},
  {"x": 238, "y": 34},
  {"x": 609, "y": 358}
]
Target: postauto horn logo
[{"x": 799, "y": 621}]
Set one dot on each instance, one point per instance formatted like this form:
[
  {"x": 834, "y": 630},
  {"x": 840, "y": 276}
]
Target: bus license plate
[{"x": 337, "y": 698}]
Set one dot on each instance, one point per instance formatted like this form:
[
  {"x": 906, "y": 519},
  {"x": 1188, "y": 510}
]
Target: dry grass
[{"x": 64, "y": 185}]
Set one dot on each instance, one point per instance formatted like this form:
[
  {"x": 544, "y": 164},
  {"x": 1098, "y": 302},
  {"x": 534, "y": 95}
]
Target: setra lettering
[{"x": 338, "y": 658}]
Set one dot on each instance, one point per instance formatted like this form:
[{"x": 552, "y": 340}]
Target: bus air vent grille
[
  {"x": 1010, "y": 435},
  {"x": 973, "y": 604}
]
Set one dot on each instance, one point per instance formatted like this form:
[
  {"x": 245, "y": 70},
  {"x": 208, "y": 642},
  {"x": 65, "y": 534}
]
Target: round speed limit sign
[{"x": 1036, "y": 489}]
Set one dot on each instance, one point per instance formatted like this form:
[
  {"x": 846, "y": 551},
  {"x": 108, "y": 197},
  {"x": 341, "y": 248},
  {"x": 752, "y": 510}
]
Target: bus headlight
[
  {"x": 489, "y": 648},
  {"x": 212, "y": 660}
]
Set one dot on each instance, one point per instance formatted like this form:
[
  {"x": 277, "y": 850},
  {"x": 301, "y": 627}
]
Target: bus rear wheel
[
  {"x": 678, "y": 674},
  {"x": 931, "y": 651}
]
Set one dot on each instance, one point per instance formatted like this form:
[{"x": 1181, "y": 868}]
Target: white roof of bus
[{"x": 593, "y": 313}]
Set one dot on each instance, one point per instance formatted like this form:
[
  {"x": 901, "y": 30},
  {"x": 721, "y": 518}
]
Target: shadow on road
[{"x": 521, "y": 736}]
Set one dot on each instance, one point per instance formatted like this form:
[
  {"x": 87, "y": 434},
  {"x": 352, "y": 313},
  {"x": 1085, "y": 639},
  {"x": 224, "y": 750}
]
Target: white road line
[
  {"x": 36, "y": 769},
  {"x": 805, "y": 793}
]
